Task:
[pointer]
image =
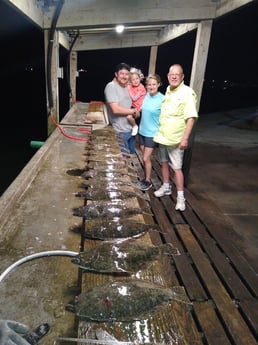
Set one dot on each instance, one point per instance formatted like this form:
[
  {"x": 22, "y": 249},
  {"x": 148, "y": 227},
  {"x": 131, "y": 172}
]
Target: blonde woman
[{"x": 149, "y": 125}]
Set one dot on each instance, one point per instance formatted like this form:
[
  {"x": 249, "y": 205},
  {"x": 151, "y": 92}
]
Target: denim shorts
[
  {"x": 147, "y": 141},
  {"x": 171, "y": 154}
]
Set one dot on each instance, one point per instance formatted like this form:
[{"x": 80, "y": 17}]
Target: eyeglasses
[{"x": 174, "y": 74}]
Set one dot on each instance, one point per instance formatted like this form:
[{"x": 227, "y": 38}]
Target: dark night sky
[{"x": 233, "y": 57}]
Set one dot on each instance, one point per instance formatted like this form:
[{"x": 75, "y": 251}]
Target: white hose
[
  {"x": 95, "y": 341},
  {"x": 36, "y": 256}
]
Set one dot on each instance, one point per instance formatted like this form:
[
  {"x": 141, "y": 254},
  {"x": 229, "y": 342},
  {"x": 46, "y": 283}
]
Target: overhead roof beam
[
  {"x": 31, "y": 9},
  {"x": 224, "y": 7},
  {"x": 173, "y": 31},
  {"x": 82, "y": 14},
  {"x": 113, "y": 40}
]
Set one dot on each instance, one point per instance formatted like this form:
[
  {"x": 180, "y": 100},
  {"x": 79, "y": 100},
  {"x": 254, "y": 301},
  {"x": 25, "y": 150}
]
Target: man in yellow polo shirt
[{"x": 177, "y": 117}]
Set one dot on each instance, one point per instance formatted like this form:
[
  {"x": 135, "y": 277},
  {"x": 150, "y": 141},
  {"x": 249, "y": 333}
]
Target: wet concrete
[
  {"x": 36, "y": 216},
  {"x": 224, "y": 173}
]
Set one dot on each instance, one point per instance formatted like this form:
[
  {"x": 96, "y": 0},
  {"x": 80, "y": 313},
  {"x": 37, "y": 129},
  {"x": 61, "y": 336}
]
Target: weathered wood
[
  {"x": 210, "y": 323},
  {"x": 224, "y": 238},
  {"x": 220, "y": 260},
  {"x": 250, "y": 309},
  {"x": 232, "y": 319},
  {"x": 182, "y": 262}
]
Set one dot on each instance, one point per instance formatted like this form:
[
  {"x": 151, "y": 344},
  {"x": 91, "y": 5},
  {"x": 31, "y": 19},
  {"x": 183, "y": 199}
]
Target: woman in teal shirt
[{"x": 149, "y": 125}]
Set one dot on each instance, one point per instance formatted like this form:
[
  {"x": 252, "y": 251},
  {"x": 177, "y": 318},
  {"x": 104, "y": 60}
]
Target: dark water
[
  {"x": 23, "y": 119},
  {"x": 13, "y": 158}
]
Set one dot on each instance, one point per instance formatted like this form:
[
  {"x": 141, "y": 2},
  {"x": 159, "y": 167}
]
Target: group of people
[{"x": 165, "y": 121}]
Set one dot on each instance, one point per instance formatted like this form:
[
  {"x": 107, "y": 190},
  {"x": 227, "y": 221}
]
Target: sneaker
[
  {"x": 142, "y": 182},
  {"x": 162, "y": 191},
  {"x": 145, "y": 185},
  {"x": 37, "y": 334},
  {"x": 180, "y": 204},
  {"x": 134, "y": 130}
]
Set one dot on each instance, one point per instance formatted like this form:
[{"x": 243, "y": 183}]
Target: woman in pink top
[{"x": 137, "y": 92}]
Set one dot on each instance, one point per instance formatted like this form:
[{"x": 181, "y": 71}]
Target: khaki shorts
[{"x": 171, "y": 154}]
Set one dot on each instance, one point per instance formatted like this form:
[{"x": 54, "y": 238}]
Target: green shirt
[{"x": 177, "y": 106}]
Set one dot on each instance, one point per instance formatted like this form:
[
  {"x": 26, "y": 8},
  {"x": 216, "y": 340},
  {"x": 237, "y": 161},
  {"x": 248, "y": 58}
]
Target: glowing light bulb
[{"x": 120, "y": 29}]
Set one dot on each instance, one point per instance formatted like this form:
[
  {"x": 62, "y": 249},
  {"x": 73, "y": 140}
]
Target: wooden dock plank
[
  {"x": 250, "y": 310},
  {"x": 211, "y": 326},
  {"x": 226, "y": 238},
  {"x": 235, "y": 284},
  {"x": 188, "y": 275},
  {"x": 234, "y": 323}
]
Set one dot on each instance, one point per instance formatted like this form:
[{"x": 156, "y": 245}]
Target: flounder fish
[
  {"x": 106, "y": 139},
  {"x": 120, "y": 228},
  {"x": 106, "y": 160},
  {"x": 104, "y": 130},
  {"x": 108, "y": 194},
  {"x": 104, "y": 156},
  {"x": 90, "y": 173},
  {"x": 110, "y": 169},
  {"x": 102, "y": 137},
  {"x": 101, "y": 164},
  {"x": 107, "y": 210},
  {"x": 121, "y": 257},
  {"x": 120, "y": 168},
  {"x": 124, "y": 301},
  {"x": 98, "y": 147},
  {"x": 112, "y": 183},
  {"x": 102, "y": 148}
]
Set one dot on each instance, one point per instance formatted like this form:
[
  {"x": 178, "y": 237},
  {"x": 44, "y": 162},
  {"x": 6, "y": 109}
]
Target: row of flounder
[{"x": 119, "y": 253}]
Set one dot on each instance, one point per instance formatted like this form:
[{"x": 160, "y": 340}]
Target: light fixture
[{"x": 120, "y": 29}]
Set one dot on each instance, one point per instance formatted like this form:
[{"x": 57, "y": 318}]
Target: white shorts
[{"x": 171, "y": 154}]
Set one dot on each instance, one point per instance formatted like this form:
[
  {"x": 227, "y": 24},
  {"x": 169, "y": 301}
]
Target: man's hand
[
  {"x": 137, "y": 113},
  {"x": 183, "y": 144},
  {"x": 11, "y": 333}
]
